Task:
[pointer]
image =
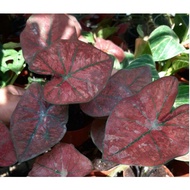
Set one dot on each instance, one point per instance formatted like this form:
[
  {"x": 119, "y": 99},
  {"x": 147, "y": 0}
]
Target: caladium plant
[{"x": 140, "y": 125}]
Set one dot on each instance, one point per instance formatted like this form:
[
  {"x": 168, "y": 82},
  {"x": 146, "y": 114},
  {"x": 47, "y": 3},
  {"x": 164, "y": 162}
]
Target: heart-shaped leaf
[
  {"x": 79, "y": 71},
  {"x": 7, "y": 152},
  {"x": 36, "y": 125},
  {"x": 122, "y": 84},
  {"x": 44, "y": 29},
  {"x": 62, "y": 161},
  {"x": 142, "y": 131},
  {"x": 164, "y": 43}
]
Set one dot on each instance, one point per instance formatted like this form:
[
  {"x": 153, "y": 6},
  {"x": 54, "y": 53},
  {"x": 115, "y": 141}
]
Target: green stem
[{"x": 16, "y": 75}]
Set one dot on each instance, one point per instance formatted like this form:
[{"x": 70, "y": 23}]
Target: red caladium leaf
[
  {"x": 44, "y": 29},
  {"x": 79, "y": 71},
  {"x": 110, "y": 48},
  {"x": 97, "y": 132},
  {"x": 7, "y": 152},
  {"x": 122, "y": 84},
  {"x": 62, "y": 161},
  {"x": 36, "y": 125},
  {"x": 142, "y": 131}
]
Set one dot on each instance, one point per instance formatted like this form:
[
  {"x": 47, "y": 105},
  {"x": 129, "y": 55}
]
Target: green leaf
[
  {"x": 164, "y": 43},
  {"x": 144, "y": 60},
  {"x": 12, "y": 60},
  {"x": 179, "y": 62},
  {"x": 5, "y": 78},
  {"x": 11, "y": 45},
  {"x": 140, "y": 30},
  {"x": 89, "y": 36},
  {"x": 127, "y": 60},
  {"x": 116, "y": 64},
  {"x": 183, "y": 95},
  {"x": 181, "y": 26},
  {"x": 106, "y": 32}
]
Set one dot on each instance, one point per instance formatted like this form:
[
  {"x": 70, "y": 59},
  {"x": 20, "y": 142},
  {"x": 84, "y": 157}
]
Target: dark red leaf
[
  {"x": 98, "y": 132},
  {"x": 122, "y": 84},
  {"x": 79, "y": 71},
  {"x": 7, "y": 152},
  {"x": 43, "y": 29},
  {"x": 62, "y": 161},
  {"x": 142, "y": 131},
  {"x": 36, "y": 125}
]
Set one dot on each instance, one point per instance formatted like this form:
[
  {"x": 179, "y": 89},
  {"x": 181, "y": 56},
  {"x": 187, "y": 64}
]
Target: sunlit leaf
[
  {"x": 12, "y": 60},
  {"x": 88, "y": 36},
  {"x": 42, "y": 30},
  {"x": 109, "y": 47},
  {"x": 164, "y": 43},
  {"x": 79, "y": 71}
]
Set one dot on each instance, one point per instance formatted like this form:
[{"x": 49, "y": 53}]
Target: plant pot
[
  {"x": 78, "y": 126},
  {"x": 77, "y": 137},
  {"x": 179, "y": 168}
]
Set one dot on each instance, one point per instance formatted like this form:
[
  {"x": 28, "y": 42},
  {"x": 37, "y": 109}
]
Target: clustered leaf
[{"x": 124, "y": 83}]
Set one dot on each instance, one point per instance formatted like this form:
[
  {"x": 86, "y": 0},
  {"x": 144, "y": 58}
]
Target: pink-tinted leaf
[
  {"x": 122, "y": 28},
  {"x": 142, "y": 131},
  {"x": 62, "y": 161},
  {"x": 110, "y": 48},
  {"x": 44, "y": 29},
  {"x": 98, "y": 132},
  {"x": 36, "y": 125},
  {"x": 119, "y": 41},
  {"x": 79, "y": 71},
  {"x": 122, "y": 84},
  {"x": 7, "y": 152}
]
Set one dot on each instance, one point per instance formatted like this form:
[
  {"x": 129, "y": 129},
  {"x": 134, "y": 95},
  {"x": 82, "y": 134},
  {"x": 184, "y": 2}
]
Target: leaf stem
[{"x": 17, "y": 74}]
